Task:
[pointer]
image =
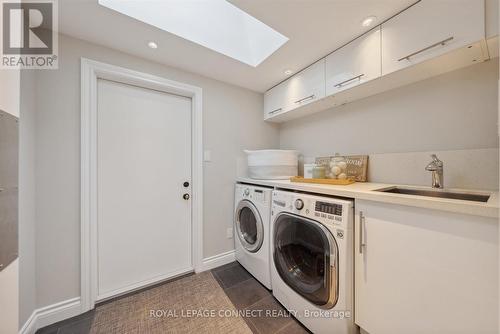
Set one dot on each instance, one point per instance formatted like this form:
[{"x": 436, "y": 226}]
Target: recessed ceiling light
[
  {"x": 368, "y": 21},
  {"x": 153, "y": 45},
  {"x": 288, "y": 72}
]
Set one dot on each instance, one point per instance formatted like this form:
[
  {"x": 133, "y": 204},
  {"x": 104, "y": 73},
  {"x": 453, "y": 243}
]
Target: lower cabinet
[{"x": 424, "y": 271}]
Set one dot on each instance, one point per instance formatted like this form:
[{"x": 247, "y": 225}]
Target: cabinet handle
[
  {"x": 340, "y": 84},
  {"x": 361, "y": 232},
  {"x": 275, "y": 111},
  {"x": 305, "y": 98},
  {"x": 443, "y": 43}
]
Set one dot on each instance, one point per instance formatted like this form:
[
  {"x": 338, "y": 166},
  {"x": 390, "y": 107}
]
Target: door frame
[{"x": 91, "y": 71}]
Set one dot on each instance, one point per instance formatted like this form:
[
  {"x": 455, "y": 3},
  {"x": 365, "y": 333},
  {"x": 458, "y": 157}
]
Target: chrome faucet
[{"x": 436, "y": 167}]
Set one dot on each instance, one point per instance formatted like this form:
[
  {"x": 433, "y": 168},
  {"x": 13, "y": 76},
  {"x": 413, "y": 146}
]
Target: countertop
[{"x": 366, "y": 191}]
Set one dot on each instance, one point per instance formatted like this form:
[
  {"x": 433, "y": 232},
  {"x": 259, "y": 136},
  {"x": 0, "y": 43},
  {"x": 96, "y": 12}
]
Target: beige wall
[
  {"x": 232, "y": 121},
  {"x": 453, "y": 112}
]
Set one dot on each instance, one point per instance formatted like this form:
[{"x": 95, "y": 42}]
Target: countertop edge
[{"x": 365, "y": 191}]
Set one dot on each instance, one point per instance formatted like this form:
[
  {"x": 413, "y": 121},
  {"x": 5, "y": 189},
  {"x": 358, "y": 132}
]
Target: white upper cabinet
[
  {"x": 306, "y": 86},
  {"x": 428, "y": 29},
  {"x": 275, "y": 100},
  {"x": 355, "y": 63},
  {"x": 437, "y": 36}
]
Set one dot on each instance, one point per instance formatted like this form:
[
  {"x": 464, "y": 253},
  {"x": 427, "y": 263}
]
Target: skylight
[{"x": 215, "y": 24}]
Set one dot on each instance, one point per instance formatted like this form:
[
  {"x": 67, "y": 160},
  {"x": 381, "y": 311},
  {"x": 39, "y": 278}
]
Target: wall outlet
[{"x": 229, "y": 233}]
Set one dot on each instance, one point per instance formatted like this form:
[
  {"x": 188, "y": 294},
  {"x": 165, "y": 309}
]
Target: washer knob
[
  {"x": 246, "y": 192},
  {"x": 299, "y": 204}
]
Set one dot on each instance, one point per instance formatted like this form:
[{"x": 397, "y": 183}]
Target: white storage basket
[{"x": 272, "y": 164}]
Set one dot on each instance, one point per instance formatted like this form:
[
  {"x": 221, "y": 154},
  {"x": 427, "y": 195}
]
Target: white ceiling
[
  {"x": 246, "y": 39},
  {"x": 315, "y": 28}
]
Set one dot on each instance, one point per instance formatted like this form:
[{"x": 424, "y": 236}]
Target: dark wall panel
[{"x": 9, "y": 157}]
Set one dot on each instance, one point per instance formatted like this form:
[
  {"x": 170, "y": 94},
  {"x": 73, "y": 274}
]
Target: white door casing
[{"x": 91, "y": 72}]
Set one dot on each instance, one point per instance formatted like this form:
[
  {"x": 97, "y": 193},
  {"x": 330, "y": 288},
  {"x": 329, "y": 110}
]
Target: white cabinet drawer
[
  {"x": 353, "y": 64},
  {"x": 428, "y": 29}
]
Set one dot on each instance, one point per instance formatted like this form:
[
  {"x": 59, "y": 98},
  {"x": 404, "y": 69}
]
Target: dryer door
[
  {"x": 305, "y": 256},
  {"x": 249, "y": 226}
]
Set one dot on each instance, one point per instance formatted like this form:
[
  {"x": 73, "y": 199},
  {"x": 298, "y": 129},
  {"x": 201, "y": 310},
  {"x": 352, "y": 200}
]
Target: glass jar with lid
[{"x": 338, "y": 167}]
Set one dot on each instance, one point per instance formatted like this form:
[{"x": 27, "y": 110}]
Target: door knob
[{"x": 185, "y": 196}]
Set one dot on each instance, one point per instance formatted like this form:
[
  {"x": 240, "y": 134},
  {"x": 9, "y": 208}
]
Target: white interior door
[{"x": 144, "y": 158}]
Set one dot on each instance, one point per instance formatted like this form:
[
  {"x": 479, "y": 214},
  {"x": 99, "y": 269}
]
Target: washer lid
[{"x": 249, "y": 226}]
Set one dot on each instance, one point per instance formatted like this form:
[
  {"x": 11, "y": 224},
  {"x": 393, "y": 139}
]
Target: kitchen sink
[{"x": 464, "y": 196}]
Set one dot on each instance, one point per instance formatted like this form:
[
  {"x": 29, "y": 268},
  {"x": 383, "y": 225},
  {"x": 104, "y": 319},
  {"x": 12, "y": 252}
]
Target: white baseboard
[
  {"x": 218, "y": 260},
  {"x": 51, "y": 314},
  {"x": 29, "y": 325}
]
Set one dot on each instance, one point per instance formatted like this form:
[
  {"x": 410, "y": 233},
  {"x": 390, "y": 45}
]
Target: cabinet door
[
  {"x": 424, "y": 271},
  {"x": 306, "y": 86},
  {"x": 353, "y": 64},
  {"x": 428, "y": 29},
  {"x": 275, "y": 100}
]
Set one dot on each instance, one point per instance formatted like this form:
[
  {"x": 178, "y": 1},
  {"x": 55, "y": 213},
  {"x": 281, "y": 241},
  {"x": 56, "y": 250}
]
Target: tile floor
[{"x": 244, "y": 291}]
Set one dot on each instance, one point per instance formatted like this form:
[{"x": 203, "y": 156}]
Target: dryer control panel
[{"x": 254, "y": 194}]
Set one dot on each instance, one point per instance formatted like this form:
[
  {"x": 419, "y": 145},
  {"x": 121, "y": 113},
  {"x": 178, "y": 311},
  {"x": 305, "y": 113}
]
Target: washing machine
[
  {"x": 312, "y": 260},
  {"x": 252, "y": 217}
]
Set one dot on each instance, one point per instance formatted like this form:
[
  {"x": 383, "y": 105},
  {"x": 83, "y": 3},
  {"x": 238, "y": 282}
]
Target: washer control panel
[
  {"x": 325, "y": 209},
  {"x": 330, "y": 211},
  {"x": 299, "y": 204}
]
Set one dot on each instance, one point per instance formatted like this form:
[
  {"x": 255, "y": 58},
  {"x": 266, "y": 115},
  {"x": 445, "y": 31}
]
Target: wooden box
[{"x": 357, "y": 166}]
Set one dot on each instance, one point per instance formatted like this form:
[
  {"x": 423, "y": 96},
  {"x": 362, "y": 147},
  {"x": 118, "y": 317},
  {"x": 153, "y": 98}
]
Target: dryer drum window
[
  {"x": 249, "y": 226},
  {"x": 306, "y": 258}
]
